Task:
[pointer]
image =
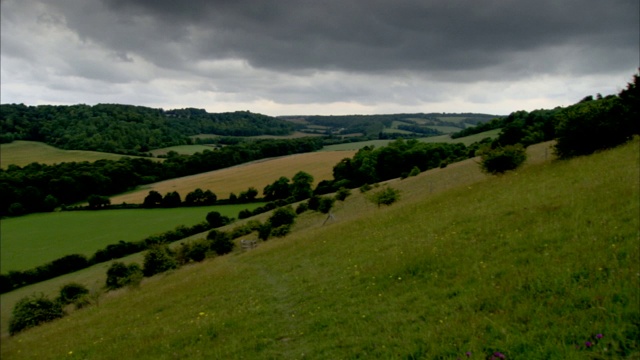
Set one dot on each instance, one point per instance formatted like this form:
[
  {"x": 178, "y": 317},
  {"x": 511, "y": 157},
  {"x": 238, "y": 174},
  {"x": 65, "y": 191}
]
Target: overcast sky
[{"x": 284, "y": 57}]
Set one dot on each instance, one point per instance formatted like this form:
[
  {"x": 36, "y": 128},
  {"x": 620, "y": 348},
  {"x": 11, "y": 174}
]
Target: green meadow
[
  {"x": 33, "y": 240},
  {"x": 540, "y": 263}
]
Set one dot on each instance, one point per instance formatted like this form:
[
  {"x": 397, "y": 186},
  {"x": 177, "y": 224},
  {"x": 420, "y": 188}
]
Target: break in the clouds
[{"x": 318, "y": 57}]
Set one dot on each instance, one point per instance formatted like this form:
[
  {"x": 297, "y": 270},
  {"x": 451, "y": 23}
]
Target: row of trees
[
  {"x": 37, "y": 187},
  {"x": 371, "y": 165},
  {"x": 126, "y": 129}
]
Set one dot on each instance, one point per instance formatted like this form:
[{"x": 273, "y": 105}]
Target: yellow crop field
[{"x": 257, "y": 174}]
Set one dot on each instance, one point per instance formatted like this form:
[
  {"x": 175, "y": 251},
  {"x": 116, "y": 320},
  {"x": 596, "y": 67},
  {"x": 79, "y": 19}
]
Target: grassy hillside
[
  {"x": 239, "y": 178},
  {"x": 22, "y": 153},
  {"x": 35, "y": 239},
  {"x": 533, "y": 264}
]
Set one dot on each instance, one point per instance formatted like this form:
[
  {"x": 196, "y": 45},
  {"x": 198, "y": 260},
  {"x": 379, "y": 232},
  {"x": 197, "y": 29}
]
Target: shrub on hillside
[
  {"x": 593, "y": 125},
  {"x": 502, "y": 159},
  {"x": 264, "y": 231},
  {"x": 282, "y": 216},
  {"x": 192, "y": 251},
  {"x": 281, "y": 231},
  {"x": 215, "y": 219},
  {"x": 158, "y": 259},
  {"x": 33, "y": 310},
  {"x": 386, "y": 196},
  {"x": 120, "y": 275},
  {"x": 221, "y": 242},
  {"x": 326, "y": 203},
  {"x": 342, "y": 194},
  {"x": 302, "y": 207},
  {"x": 73, "y": 293}
]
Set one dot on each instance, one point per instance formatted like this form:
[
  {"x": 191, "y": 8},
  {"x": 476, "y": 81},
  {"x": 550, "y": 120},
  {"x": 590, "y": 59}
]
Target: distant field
[
  {"x": 33, "y": 240},
  {"x": 432, "y": 139},
  {"x": 182, "y": 149},
  {"x": 239, "y": 178},
  {"x": 294, "y": 135},
  {"x": 22, "y": 153}
]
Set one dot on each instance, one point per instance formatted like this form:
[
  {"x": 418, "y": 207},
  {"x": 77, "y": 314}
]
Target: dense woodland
[{"x": 126, "y": 129}]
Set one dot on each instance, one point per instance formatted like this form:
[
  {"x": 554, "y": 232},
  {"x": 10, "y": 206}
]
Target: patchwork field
[
  {"x": 541, "y": 263},
  {"x": 33, "y": 240},
  {"x": 239, "y": 178},
  {"x": 22, "y": 153},
  {"x": 468, "y": 140}
]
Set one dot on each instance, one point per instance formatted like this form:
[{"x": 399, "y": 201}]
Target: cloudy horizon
[{"x": 307, "y": 57}]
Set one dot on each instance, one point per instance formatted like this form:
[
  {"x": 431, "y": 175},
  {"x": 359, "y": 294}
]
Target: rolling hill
[{"x": 538, "y": 263}]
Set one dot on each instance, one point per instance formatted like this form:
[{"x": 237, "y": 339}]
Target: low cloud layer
[{"x": 308, "y": 57}]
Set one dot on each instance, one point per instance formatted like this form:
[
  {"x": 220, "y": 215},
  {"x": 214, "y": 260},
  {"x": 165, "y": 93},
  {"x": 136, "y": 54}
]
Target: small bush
[
  {"x": 342, "y": 194},
  {"x": 158, "y": 259},
  {"x": 326, "y": 203},
  {"x": 192, "y": 251},
  {"x": 264, "y": 231},
  {"x": 364, "y": 188},
  {"x": 72, "y": 293},
  {"x": 120, "y": 275},
  {"x": 385, "y": 197},
  {"x": 221, "y": 242},
  {"x": 502, "y": 159},
  {"x": 281, "y": 231},
  {"x": 282, "y": 216},
  {"x": 302, "y": 207},
  {"x": 313, "y": 203},
  {"x": 33, "y": 310}
]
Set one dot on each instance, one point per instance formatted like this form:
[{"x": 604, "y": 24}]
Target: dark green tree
[
  {"x": 32, "y": 311},
  {"x": 159, "y": 259},
  {"x": 301, "y": 186}
]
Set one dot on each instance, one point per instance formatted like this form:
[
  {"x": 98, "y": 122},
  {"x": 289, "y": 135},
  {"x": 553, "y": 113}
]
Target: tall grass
[{"x": 533, "y": 264}]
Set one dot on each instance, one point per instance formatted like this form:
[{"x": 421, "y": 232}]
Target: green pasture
[
  {"x": 22, "y": 153},
  {"x": 32, "y": 240},
  {"x": 539, "y": 263},
  {"x": 468, "y": 140}
]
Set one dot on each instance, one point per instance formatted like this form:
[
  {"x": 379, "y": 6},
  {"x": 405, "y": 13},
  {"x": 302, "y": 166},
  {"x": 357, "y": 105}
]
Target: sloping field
[
  {"x": 536, "y": 264},
  {"x": 182, "y": 149},
  {"x": 22, "y": 153},
  {"x": 33, "y": 240},
  {"x": 239, "y": 178}
]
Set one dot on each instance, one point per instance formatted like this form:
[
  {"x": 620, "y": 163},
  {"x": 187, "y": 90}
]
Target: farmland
[
  {"x": 534, "y": 264},
  {"x": 239, "y": 178},
  {"x": 35, "y": 239},
  {"x": 22, "y": 153}
]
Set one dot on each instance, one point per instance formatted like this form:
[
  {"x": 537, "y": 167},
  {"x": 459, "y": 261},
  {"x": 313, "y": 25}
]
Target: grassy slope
[
  {"x": 22, "y": 153},
  {"x": 532, "y": 264},
  {"x": 32, "y": 240},
  {"x": 239, "y": 178}
]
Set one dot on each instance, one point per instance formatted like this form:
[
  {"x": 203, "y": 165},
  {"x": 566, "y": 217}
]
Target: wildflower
[
  {"x": 588, "y": 344},
  {"x": 599, "y": 336},
  {"x": 468, "y": 353},
  {"x": 498, "y": 355}
]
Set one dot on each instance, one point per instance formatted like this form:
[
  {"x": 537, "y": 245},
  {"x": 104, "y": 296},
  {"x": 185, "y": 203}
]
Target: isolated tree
[
  {"x": 301, "y": 186},
  {"x": 72, "y": 292},
  {"x": 215, "y": 219},
  {"x": 282, "y": 216},
  {"x": 120, "y": 274},
  {"x": 326, "y": 203},
  {"x": 152, "y": 199},
  {"x": 279, "y": 189},
  {"x": 171, "y": 199},
  {"x": 221, "y": 242}
]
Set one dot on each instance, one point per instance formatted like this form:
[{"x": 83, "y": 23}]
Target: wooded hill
[{"x": 126, "y": 129}]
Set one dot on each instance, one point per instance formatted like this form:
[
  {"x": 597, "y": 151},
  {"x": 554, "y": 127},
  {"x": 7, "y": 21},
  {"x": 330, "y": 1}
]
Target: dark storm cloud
[{"x": 369, "y": 36}]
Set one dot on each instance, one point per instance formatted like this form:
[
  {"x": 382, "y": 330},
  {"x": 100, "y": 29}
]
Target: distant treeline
[
  {"x": 37, "y": 187},
  {"x": 371, "y": 126},
  {"x": 580, "y": 129},
  {"x": 126, "y": 129}
]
